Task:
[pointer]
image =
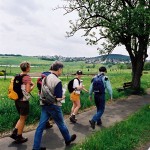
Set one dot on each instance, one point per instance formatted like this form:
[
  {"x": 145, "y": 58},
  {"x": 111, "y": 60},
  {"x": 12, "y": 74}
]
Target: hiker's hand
[
  {"x": 32, "y": 85},
  {"x": 79, "y": 87},
  {"x": 63, "y": 97},
  {"x": 60, "y": 99}
]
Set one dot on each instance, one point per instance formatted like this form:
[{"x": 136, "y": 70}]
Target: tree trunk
[
  {"x": 137, "y": 61},
  {"x": 137, "y": 68}
]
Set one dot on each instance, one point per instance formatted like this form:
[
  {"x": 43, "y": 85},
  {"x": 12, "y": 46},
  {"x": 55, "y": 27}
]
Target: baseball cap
[{"x": 79, "y": 72}]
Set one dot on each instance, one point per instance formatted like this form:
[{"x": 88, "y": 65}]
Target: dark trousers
[{"x": 100, "y": 105}]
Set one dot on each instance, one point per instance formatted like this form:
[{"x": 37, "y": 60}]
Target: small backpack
[
  {"x": 14, "y": 90},
  {"x": 39, "y": 80},
  {"x": 98, "y": 85},
  {"x": 70, "y": 85}
]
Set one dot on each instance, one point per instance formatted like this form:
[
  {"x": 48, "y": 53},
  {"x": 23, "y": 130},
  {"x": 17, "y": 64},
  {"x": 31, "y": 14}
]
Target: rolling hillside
[
  {"x": 111, "y": 58},
  {"x": 35, "y": 60}
]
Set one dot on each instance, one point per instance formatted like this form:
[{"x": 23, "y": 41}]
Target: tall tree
[{"x": 119, "y": 22}]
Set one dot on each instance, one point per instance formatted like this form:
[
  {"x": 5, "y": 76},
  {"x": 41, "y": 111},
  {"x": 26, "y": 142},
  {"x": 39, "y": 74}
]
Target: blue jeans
[
  {"x": 100, "y": 105},
  {"x": 56, "y": 113}
]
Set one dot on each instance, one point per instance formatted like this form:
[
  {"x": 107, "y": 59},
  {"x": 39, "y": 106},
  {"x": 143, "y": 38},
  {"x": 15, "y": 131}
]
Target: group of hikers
[{"x": 53, "y": 110}]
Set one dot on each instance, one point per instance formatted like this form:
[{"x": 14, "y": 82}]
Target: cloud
[
  {"x": 19, "y": 8},
  {"x": 31, "y": 27},
  {"x": 5, "y": 27}
]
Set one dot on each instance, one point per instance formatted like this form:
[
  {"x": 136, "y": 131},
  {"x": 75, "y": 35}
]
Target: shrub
[{"x": 1, "y": 73}]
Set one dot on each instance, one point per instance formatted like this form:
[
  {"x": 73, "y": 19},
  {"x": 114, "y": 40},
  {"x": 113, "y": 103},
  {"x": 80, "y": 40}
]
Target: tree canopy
[
  {"x": 113, "y": 20},
  {"x": 118, "y": 22}
]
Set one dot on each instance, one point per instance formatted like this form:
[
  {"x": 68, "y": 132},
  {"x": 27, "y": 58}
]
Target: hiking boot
[
  {"x": 14, "y": 134},
  {"x": 73, "y": 137},
  {"x": 99, "y": 123},
  {"x": 73, "y": 119},
  {"x": 21, "y": 139},
  {"x": 41, "y": 148},
  {"x": 92, "y": 124},
  {"x": 48, "y": 125},
  {"x": 76, "y": 119}
]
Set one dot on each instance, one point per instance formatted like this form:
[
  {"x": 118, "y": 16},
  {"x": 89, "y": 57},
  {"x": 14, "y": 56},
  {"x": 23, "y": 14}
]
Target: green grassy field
[
  {"x": 16, "y": 60},
  {"x": 38, "y": 65},
  {"x": 8, "y": 109},
  {"x": 9, "y": 115}
]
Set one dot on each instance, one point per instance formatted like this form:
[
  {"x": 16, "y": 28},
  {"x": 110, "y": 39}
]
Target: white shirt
[{"x": 76, "y": 84}]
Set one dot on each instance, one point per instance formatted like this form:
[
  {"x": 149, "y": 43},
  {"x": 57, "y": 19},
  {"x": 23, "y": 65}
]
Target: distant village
[{"x": 112, "y": 58}]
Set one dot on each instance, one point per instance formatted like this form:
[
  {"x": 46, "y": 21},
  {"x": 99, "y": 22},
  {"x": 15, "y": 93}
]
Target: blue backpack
[{"x": 98, "y": 85}]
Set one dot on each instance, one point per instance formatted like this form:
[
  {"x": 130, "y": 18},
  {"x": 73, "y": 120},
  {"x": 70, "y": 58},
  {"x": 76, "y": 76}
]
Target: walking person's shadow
[
  {"x": 81, "y": 128},
  {"x": 18, "y": 146},
  {"x": 51, "y": 139},
  {"x": 54, "y": 140}
]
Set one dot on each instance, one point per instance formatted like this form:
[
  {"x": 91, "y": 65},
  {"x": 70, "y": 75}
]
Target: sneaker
[
  {"x": 99, "y": 123},
  {"x": 73, "y": 119},
  {"x": 76, "y": 119},
  {"x": 73, "y": 137},
  {"x": 21, "y": 139},
  {"x": 41, "y": 148},
  {"x": 14, "y": 134},
  {"x": 92, "y": 124},
  {"x": 48, "y": 125}
]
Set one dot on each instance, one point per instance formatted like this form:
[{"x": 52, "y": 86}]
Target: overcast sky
[{"x": 31, "y": 27}]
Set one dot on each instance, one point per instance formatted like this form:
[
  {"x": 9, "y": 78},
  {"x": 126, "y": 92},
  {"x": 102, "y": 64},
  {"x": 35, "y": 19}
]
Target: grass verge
[{"x": 126, "y": 135}]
